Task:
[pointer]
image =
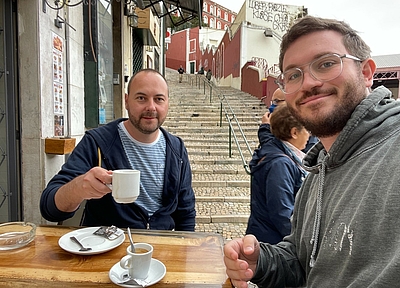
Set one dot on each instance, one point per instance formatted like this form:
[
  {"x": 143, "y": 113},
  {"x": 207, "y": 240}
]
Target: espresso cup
[
  {"x": 125, "y": 185},
  {"x": 137, "y": 263}
]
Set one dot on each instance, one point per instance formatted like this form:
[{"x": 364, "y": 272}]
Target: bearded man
[
  {"x": 166, "y": 200},
  {"x": 345, "y": 230}
]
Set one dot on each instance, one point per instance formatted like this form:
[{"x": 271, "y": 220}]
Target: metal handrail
[{"x": 227, "y": 110}]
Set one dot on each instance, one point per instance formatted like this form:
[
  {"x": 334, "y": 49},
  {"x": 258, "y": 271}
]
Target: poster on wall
[
  {"x": 58, "y": 125},
  {"x": 58, "y": 74}
]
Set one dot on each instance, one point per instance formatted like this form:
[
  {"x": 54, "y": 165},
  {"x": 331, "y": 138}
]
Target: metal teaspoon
[{"x": 130, "y": 240}]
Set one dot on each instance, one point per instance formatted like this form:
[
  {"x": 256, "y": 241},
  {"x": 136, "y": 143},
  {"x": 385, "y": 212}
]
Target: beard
[
  {"x": 325, "y": 125},
  {"x": 144, "y": 128}
]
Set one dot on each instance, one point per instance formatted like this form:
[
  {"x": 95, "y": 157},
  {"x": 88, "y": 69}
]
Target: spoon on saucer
[
  {"x": 126, "y": 279},
  {"x": 83, "y": 248},
  {"x": 130, "y": 240}
]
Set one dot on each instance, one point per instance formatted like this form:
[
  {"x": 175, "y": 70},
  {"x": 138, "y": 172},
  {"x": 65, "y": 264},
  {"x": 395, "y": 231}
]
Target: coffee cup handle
[
  {"x": 125, "y": 262},
  {"x": 109, "y": 185}
]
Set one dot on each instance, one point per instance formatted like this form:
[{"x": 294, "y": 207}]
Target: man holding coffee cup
[{"x": 166, "y": 200}]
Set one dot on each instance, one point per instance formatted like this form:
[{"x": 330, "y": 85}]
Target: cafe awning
[{"x": 185, "y": 9}]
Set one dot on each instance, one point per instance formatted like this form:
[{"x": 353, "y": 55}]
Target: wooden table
[{"x": 192, "y": 259}]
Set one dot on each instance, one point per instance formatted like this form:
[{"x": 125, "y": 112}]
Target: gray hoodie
[{"x": 346, "y": 221}]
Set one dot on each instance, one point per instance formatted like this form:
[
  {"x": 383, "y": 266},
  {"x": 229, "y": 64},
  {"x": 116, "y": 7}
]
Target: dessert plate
[
  {"x": 99, "y": 244},
  {"x": 156, "y": 273}
]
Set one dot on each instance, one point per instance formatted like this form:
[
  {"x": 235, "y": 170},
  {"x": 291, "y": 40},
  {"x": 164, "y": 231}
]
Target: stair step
[
  {"x": 222, "y": 210},
  {"x": 234, "y": 199},
  {"x": 231, "y": 193},
  {"x": 195, "y": 159},
  {"x": 223, "y": 219},
  {"x": 219, "y": 179},
  {"x": 238, "y": 183}
]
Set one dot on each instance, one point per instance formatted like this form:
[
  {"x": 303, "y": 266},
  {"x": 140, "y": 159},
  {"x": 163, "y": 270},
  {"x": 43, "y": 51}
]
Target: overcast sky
[{"x": 377, "y": 22}]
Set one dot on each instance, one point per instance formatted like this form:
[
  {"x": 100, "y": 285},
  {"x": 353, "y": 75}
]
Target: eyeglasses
[
  {"x": 324, "y": 68},
  {"x": 277, "y": 101}
]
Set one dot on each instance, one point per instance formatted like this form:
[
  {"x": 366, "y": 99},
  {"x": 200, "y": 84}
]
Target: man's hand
[
  {"x": 240, "y": 257},
  {"x": 265, "y": 118},
  {"x": 90, "y": 185}
]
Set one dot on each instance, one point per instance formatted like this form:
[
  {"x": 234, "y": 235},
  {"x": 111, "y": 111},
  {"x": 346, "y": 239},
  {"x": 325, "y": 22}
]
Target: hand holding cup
[{"x": 125, "y": 185}]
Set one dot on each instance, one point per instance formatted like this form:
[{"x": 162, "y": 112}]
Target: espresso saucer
[{"x": 156, "y": 273}]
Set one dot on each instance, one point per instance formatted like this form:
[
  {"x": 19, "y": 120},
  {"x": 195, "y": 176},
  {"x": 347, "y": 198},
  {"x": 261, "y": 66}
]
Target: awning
[{"x": 186, "y": 9}]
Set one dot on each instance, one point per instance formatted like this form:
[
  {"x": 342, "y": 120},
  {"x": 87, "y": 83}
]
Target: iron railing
[{"x": 226, "y": 110}]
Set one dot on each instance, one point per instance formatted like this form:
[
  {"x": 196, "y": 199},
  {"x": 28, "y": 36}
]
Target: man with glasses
[
  {"x": 345, "y": 230},
  {"x": 274, "y": 101}
]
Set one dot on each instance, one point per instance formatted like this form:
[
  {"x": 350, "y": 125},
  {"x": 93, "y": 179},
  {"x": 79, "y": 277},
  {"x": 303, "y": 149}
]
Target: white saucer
[
  {"x": 156, "y": 273},
  {"x": 99, "y": 244}
]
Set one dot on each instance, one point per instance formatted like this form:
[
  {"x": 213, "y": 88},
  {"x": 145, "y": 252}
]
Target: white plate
[
  {"x": 156, "y": 273},
  {"x": 99, "y": 244}
]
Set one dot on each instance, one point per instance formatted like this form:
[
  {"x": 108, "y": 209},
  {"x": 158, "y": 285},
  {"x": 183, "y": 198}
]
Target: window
[
  {"x": 218, "y": 12},
  {"x": 212, "y": 23},
  {"x": 205, "y": 7},
  {"x": 225, "y": 27},
  {"x": 211, "y": 9},
  {"x": 192, "y": 45},
  {"x": 99, "y": 100},
  {"x": 205, "y": 20},
  {"x": 233, "y": 18},
  {"x": 226, "y": 16},
  {"x": 219, "y": 25}
]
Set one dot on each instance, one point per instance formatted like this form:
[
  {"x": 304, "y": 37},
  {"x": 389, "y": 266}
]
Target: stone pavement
[{"x": 220, "y": 182}]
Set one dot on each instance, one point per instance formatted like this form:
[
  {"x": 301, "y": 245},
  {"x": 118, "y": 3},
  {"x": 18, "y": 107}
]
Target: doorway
[
  {"x": 10, "y": 188},
  {"x": 192, "y": 67}
]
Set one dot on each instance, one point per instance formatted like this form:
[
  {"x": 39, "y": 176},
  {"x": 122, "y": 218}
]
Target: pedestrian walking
[
  {"x": 201, "y": 71},
  {"x": 208, "y": 75},
  {"x": 181, "y": 71}
]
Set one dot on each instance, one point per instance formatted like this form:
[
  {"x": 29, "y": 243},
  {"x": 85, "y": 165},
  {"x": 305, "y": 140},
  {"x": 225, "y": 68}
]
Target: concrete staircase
[{"x": 220, "y": 182}]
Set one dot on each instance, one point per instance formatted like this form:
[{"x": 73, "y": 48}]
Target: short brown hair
[
  {"x": 148, "y": 70},
  {"x": 282, "y": 121},
  {"x": 306, "y": 25}
]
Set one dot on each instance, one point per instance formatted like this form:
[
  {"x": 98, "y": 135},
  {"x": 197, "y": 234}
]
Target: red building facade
[
  {"x": 176, "y": 52},
  {"x": 217, "y": 16},
  {"x": 188, "y": 46}
]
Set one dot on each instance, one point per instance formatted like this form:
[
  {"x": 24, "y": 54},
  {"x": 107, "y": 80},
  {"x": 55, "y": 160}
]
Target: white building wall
[
  {"x": 261, "y": 15},
  {"x": 35, "y": 59},
  {"x": 36, "y": 30},
  {"x": 209, "y": 37},
  {"x": 264, "y": 47},
  {"x": 253, "y": 19},
  {"x": 272, "y": 15}
]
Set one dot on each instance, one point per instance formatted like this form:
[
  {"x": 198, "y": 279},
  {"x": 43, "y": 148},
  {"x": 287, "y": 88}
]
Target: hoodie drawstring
[{"x": 318, "y": 212}]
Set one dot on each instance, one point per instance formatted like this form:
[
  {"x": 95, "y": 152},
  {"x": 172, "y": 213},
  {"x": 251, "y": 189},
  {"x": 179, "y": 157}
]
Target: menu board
[{"x": 58, "y": 88}]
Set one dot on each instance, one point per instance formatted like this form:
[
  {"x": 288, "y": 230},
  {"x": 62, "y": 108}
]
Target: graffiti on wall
[{"x": 276, "y": 14}]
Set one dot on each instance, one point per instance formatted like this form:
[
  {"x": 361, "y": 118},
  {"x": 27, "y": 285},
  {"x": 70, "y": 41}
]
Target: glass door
[{"x": 10, "y": 199}]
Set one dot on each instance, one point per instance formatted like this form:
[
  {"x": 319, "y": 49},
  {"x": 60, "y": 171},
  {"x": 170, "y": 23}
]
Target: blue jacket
[
  {"x": 178, "y": 210},
  {"x": 276, "y": 176}
]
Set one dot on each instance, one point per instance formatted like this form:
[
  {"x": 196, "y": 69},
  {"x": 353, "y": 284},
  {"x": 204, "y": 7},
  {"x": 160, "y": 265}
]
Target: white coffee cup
[
  {"x": 138, "y": 263},
  {"x": 125, "y": 185}
]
